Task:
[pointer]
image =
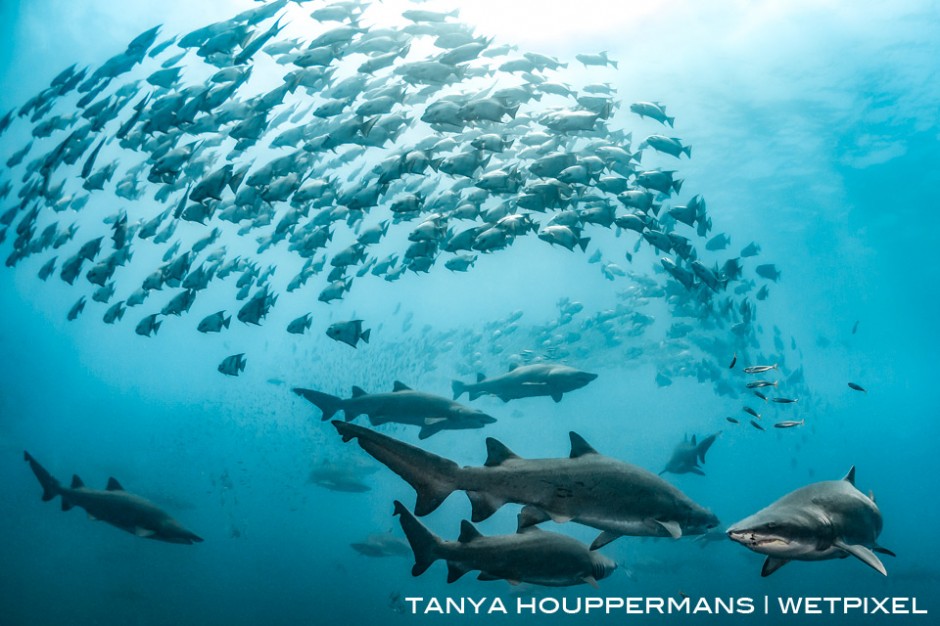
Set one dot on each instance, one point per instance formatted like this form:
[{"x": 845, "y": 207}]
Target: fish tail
[
  {"x": 50, "y": 486},
  {"x": 612, "y": 63},
  {"x": 671, "y": 121},
  {"x": 432, "y": 477},
  {"x": 423, "y": 542},
  {"x": 688, "y": 151},
  {"x": 583, "y": 243},
  {"x": 328, "y": 404},
  {"x": 365, "y": 335}
]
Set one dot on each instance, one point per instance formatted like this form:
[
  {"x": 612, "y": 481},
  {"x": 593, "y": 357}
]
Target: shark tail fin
[
  {"x": 50, "y": 486},
  {"x": 423, "y": 542},
  {"x": 432, "y": 477},
  {"x": 328, "y": 404}
]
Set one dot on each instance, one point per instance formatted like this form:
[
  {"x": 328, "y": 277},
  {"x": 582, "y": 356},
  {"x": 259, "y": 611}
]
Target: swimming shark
[
  {"x": 686, "y": 456},
  {"x": 531, "y": 555},
  {"x": 589, "y": 488},
  {"x": 402, "y": 405},
  {"x": 526, "y": 381},
  {"x": 826, "y": 520},
  {"x": 115, "y": 506}
]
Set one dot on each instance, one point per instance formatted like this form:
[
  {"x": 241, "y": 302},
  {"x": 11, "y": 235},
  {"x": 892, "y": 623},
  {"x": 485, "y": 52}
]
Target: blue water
[{"x": 815, "y": 133}]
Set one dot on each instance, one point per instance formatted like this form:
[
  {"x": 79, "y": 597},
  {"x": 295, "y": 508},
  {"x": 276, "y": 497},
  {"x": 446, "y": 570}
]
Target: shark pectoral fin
[
  {"x": 455, "y": 571},
  {"x": 881, "y": 550},
  {"x": 863, "y": 554},
  {"x": 530, "y": 516},
  {"x": 482, "y": 505},
  {"x": 673, "y": 528},
  {"x": 432, "y": 425},
  {"x": 771, "y": 565},
  {"x": 66, "y": 505},
  {"x": 603, "y": 539},
  {"x": 485, "y": 576},
  {"x": 591, "y": 581},
  {"x": 556, "y": 396},
  {"x": 143, "y": 532},
  {"x": 696, "y": 470}
]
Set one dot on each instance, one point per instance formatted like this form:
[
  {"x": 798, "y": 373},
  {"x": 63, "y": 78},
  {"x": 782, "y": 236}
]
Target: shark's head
[
  {"x": 569, "y": 379},
  {"x": 601, "y": 565},
  {"x": 475, "y": 415},
  {"x": 171, "y": 531},
  {"x": 699, "y": 521},
  {"x": 779, "y": 532}
]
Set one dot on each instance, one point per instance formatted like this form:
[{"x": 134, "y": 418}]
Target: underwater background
[{"x": 815, "y": 130}]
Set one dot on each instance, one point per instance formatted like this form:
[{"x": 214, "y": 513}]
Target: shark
[
  {"x": 587, "y": 487},
  {"x": 402, "y": 405},
  {"x": 688, "y": 454},
  {"x": 526, "y": 381},
  {"x": 531, "y": 555},
  {"x": 825, "y": 520},
  {"x": 114, "y": 505}
]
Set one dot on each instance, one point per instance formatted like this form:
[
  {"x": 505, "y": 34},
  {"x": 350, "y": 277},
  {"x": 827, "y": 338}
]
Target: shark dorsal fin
[
  {"x": 400, "y": 386},
  {"x": 114, "y": 485},
  {"x": 513, "y": 366},
  {"x": 850, "y": 477},
  {"x": 358, "y": 391},
  {"x": 497, "y": 453},
  {"x": 481, "y": 377},
  {"x": 579, "y": 447},
  {"x": 693, "y": 441},
  {"x": 468, "y": 532},
  {"x": 76, "y": 482}
]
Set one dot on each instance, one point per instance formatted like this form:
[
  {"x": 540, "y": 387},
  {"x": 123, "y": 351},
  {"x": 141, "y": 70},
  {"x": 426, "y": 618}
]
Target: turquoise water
[{"x": 814, "y": 133}]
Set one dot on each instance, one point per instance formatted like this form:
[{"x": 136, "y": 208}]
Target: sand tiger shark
[
  {"x": 526, "y": 381},
  {"x": 531, "y": 555},
  {"x": 688, "y": 454},
  {"x": 589, "y": 488},
  {"x": 402, "y": 405},
  {"x": 115, "y": 506},
  {"x": 825, "y": 520}
]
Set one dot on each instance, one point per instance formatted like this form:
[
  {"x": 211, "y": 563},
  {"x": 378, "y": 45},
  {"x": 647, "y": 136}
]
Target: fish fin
[
  {"x": 881, "y": 550},
  {"x": 422, "y": 541},
  {"x": 485, "y": 576},
  {"x": 482, "y": 505},
  {"x": 76, "y": 482},
  {"x": 358, "y": 392},
  {"x": 697, "y": 470},
  {"x": 66, "y": 505},
  {"x": 704, "y": 445},
  {"x": 328, "y": 404},
  {"x": 863, "y": 554},
  {"x": 513, "y": 366},
  {"x": 583, "y": 243},
  {"x": 604, "y": 538},
  {"x": 473, "y": 395},
  {"x": 114, "y": 485},
  {"x": 50, "y": 486},
  {"x": 468, "y": 532},
  {"x": 458, "y": 388},
  {"x": 432, "y": 426},
  {"x": 497, "y": 453},
  {"x": 591, "y": 581},
  {"x": 850, "y": 477},
  {"x": 455, "y": 571},
  {"x": 481, "y": 377},
  {"x": 556, "y": 396},
  {"x": 365, "y": 335},
  {"x": 400, "y": 386},
  {"x": 671, "y": 527},
  {"x": 529, "y": 516},
  {"x": 579, "y": 447},
  {"x": 771, "y": 565}
]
